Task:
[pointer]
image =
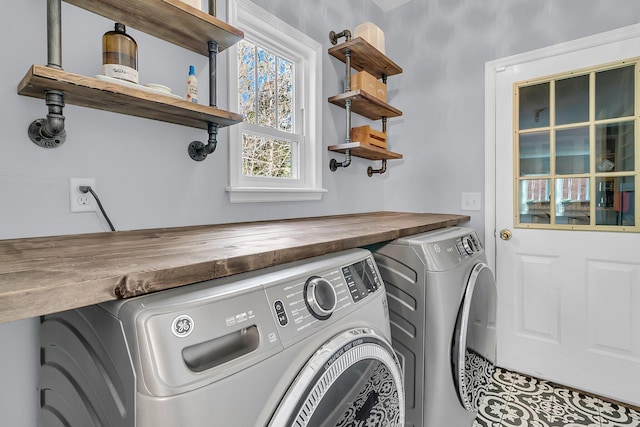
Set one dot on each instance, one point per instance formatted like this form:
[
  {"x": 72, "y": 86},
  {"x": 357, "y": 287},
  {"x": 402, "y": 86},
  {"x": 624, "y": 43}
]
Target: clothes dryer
[
  {"x": 303, "y": 344},
  {"x": 442, "y": 302}
]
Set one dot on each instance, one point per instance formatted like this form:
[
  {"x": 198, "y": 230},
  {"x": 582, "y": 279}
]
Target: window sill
[{"x": 273, "y": 194}]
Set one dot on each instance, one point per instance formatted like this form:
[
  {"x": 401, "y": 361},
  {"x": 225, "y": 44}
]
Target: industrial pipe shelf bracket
[
  {"x": 198, "y": 150},
  {"x": 383, "y": 169},
  {"x": 334, "y": 164},
  {"x": 49, "y": 132},
  {"x": 333, "y": 36}
]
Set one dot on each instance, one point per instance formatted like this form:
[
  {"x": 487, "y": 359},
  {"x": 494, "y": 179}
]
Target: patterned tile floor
[{"x": 515, "y": 400}]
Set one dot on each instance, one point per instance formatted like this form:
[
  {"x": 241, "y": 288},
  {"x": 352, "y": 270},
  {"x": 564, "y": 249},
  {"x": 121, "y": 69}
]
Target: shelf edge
[
  {"x": 191, "y": 28},
  {"x": 81, "y": 90}
]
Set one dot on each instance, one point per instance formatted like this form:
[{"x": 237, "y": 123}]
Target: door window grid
[{"x": 576, "y": 149}]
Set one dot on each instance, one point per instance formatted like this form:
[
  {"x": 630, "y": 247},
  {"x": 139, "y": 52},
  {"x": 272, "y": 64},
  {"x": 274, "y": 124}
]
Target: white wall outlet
[
  {"x": 81, "y": 202},
  {"x": 471, "y": 201}
]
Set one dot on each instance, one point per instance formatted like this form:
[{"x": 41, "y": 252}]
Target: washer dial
[{"x": 320, "y": 297}]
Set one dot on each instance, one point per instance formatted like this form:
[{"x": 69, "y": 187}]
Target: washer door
[
  {"x": 353, "y": 380},
  {"x": 474, "y": 340}
]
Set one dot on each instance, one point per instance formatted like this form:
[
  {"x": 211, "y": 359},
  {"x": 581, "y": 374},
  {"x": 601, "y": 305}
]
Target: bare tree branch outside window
[{"x": 266, "y": 98}]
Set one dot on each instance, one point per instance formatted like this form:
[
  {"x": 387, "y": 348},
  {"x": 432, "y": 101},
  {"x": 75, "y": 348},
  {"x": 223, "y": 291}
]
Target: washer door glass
[
  {"x": 474, "y": 340},
  {"x": 353, "y": 380}
]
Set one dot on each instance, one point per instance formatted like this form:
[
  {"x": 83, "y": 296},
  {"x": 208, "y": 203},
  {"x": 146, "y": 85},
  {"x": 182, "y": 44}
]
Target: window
[
  {"x": 576, "y": 145},
  {"x": 275, "y": 77}
]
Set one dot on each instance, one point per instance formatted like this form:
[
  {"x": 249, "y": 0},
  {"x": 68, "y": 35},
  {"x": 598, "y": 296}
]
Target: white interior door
[{"x": 568, "y": 301}]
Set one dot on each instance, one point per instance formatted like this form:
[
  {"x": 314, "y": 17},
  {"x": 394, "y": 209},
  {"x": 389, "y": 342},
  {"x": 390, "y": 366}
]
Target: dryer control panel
[
  {"x": 445, "y": 249},
  {"x": 450, "y": 252}
]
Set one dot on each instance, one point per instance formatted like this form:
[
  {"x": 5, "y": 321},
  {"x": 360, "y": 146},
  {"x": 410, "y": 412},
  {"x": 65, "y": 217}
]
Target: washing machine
[
  {"x": 302, "y": 344},
  {"x": 442, "y": 303}
]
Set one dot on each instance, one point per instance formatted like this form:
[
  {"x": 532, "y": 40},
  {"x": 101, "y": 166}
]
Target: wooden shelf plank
[
  {"x": 170, "y": 20},
  {"x": 365, "y": 105},
  {"x": 93, "y": 93},
  {"x": 50, "y": 274},
  {"x": 365, "y": 151},
  {"x": 365, "y": 57}
]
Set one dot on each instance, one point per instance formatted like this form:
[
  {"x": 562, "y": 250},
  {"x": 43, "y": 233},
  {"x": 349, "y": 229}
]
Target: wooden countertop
[{"x": 49, "y": 274}]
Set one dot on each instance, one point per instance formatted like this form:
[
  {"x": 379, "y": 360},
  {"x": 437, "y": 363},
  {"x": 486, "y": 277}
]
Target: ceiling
[{"x": 387, "y": 5}]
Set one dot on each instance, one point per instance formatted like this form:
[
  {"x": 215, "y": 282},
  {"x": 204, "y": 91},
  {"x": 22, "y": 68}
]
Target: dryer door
[
  {"x": 474, "y": 340},
  {"x": 353, "y": 380}
]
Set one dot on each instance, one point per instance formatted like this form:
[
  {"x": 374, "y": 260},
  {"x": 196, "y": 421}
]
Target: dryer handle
[{"x": 209, "y": 354}]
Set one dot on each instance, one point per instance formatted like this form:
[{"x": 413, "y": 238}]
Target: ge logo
[{"x": 182, "y": 326}]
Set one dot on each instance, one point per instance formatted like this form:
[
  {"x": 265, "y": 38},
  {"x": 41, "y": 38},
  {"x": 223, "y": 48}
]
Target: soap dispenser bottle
[
  {"x": 192, "y": 85},
  {"x": 120, "y": 54}
]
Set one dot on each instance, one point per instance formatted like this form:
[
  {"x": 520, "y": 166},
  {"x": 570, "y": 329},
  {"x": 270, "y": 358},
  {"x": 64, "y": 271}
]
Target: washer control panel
[
  {"x": 362, "y": 278},
  {"x": 322, "y": 296}
]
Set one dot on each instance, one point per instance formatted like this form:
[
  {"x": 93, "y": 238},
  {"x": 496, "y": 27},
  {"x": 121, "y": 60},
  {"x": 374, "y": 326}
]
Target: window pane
[
  {"x": 266, "y": 88},
  {"x": 572, "y": 151},
  {"x": 534, "y": 154},
  {"x": 573, "y": 201},
  {"x": 572, "y": 100},
  {"x": 534, "y": 106},
  {"x": 615, "y": 201},
  {"x": 615, "y": 147},
  {"x": 614, "y": 93},
  {"x": 247, "y": 81},
  {"x": 285, "y": 95},
  {"x": 534, "y": 196},
  {"x": 266, "y": 157}
]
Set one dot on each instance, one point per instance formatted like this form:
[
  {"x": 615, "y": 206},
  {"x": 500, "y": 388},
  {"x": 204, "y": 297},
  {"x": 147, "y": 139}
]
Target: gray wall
[
  {"x": 145, "y": 179},
  {"x": 443, "y": 46}
]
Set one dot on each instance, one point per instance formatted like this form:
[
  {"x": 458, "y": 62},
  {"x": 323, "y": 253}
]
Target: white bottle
[{"x": 192, "y": 85}]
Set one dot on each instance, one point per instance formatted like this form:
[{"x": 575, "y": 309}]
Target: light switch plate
[{"x": 471, "y": 201}]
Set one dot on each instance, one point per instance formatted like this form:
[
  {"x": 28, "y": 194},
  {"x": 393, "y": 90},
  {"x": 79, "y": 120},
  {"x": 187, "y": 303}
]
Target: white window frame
[{"x": 268, "y": 31}]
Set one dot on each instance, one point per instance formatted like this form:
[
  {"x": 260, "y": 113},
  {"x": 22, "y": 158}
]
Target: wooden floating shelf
[
  {"x": 45, "y": 275},
  {"x": 170, "y": 20},
  {"x": 365, "y": 57},
  {"x": 93, "y": 93},
  {"x": 365, "y": 105},
  {"x": 366, "y": 151}
]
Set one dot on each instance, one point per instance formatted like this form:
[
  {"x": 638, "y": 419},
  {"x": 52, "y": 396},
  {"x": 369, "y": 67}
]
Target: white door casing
[{"x": 568, "y": 301}]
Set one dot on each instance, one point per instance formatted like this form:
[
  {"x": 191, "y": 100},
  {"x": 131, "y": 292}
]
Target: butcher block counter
[{"x": 50, "y": 274}]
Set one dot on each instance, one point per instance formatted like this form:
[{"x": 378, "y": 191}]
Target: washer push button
[{"x": 280, "y": 313}]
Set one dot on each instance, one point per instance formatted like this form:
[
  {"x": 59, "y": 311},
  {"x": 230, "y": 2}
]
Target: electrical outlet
[{"x": 81, "y": 202}]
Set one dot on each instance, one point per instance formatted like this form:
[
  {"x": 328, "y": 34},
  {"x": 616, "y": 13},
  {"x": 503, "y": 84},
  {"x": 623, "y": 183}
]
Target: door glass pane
[
  {"x": 614, "y": 93},
  {"x": 534, "y": 154},
  {"x": 615, "y": 201},
  {"x": 572, "y": 100},
  {"x": 573, "y": 201},
  {"x": 534, "y": 106},
  {"x": 572, "y": 151},
  {"x": 615, "y": 147},
  {"x": 534, "y": 197}
]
